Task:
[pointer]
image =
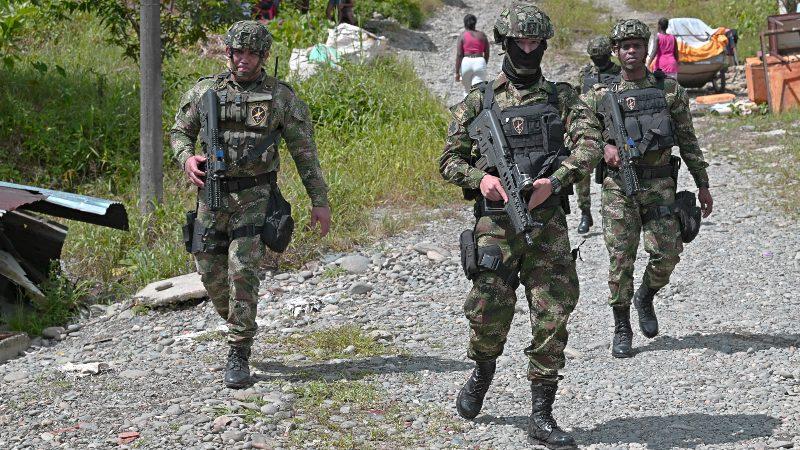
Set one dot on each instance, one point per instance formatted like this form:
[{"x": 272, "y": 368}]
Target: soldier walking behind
[
  {"x": 602, "y": 70},
  {"x": 535, "y": 114},
  {"x": 255, "y": 112},
  {"x": 655, "y": 111}
]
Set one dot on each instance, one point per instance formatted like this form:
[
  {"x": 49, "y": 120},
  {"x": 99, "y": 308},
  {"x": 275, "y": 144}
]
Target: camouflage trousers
[
  {"x": 582, "y": 189},
  {"x": 622, "y": 225},
  {"x": 231, "y": 278},
  {"x": 547, "y": 271}
]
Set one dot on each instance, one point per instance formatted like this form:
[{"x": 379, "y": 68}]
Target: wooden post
[{"x": 151, "y": 136}]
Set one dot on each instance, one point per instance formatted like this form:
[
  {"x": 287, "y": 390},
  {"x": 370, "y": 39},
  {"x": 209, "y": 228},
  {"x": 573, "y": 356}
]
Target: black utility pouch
[
  {"x": 675, "y": 162},
  {"x": 600, "y": 172},
  {"x": 469, "y": 253},
  {"x": 278, "y": 223},
  {"x": 188, "y": 230}
]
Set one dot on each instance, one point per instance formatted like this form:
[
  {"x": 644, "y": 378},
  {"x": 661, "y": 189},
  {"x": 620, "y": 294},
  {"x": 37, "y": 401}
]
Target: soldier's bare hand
[
  {"x": 458, "y": 77},
  {"x": 706, "y": 202},
  {"x": 193, "y": 171},
  {"x": 542, "y": 189},
  {"x": 611, "y": 155},
  {"x": 321, "y": 215},
  {"x": 492, "y": 189}
]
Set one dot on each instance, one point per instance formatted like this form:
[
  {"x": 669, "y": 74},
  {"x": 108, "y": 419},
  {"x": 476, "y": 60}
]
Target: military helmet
[
  {"x": 249, "y": 34},
  {"x": 630, "y": 29},
  {"x": 522, "y": 20},
  {"x": 599, "y": 46}
]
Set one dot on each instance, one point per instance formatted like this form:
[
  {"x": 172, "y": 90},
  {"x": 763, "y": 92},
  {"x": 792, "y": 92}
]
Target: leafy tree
[{"x": 183, "y": 22}]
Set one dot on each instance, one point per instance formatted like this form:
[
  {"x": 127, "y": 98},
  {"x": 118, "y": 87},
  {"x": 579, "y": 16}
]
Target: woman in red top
[
  {"x": 665, "y": 51},
  {"x": 472, "y": 54}
]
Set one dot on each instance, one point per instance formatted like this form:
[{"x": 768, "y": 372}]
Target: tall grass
[
  {"x": 574, "y": 19},
  {"x": 378, "y": 129},
  {"x": 749, "y": 17}
]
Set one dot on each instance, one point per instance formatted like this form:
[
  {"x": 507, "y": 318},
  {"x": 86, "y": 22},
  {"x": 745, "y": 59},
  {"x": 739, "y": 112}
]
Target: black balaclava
[
  {"x": 522, "y": 68},
  {"x": 602, "y": 62}
]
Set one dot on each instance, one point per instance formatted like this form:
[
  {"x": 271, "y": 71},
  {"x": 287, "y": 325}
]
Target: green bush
[{"x": 749, "y": 18}]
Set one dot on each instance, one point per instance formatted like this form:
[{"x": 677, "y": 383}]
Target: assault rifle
[
  {"x": 215, "y": 163},
  {"x": 628, "y": 153},
  {"x": 487, "y": 131}
]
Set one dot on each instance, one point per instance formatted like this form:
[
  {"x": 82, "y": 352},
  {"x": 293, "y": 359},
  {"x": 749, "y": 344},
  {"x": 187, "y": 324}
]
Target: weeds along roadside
[
  {"x": 775, "y": 158},
  {"x": 378, "y": 130},
  {"x": 575, "y": 19},
  {"x": 748, "y": 17}
]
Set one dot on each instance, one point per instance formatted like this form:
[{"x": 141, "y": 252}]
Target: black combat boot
[
  {"x": 470, "y": 399},
  {"x": 586, "y": 221},
  {"x": 542, "y": 427},
  {"x": 623, "y": 334},
  {"x": 643, "y": 300},
  {"x": 237, "y": 371}
]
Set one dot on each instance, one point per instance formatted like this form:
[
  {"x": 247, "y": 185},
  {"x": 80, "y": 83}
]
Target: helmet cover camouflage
[
  {"x": 630, "y": 29},
  {"x": 599, "y": 46},
  {"x": 249, "y": 34},
  {"x": 522, "y": 20}
]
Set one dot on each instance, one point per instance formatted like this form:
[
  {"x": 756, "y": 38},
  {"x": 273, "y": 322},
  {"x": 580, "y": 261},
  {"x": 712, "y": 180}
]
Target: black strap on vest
[{"x": 241, "y": 183}]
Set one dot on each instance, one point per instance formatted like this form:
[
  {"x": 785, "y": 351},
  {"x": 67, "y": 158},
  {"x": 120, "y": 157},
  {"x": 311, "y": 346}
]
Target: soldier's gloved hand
[
  {"x": 542, "y": 189},
  {"x": 321, "y": 214},
  {"x": 611, "y": 155},
  {"x": 492, "y": 189},
  {"x": 193, "y": 171},
  {"x": 706, "y": 202}
]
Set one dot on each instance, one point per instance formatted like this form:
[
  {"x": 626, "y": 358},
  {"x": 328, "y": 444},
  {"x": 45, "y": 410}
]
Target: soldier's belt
[
  {"x": 236, "y": 184},
  {"x": 647, "y": 172}
]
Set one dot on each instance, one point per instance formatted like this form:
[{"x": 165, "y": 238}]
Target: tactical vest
[
  {"x": 595, "y": 77},
  {"x": 647, "y": 118},
  {"x": 248, "y": 128},
  {"x": 534, "y": 132}
]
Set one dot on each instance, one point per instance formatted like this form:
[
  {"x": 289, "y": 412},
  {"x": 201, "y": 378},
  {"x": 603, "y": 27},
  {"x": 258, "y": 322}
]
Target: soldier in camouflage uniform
[
  {"x": 604, "y": 71},
  {"x": 536, "y": 115},
  {"x": 256, "y": 112},
  {"x": 656, "y": 113}
]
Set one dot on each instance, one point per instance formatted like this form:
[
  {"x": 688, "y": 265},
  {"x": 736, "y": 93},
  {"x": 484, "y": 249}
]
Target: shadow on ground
[
  {"x": 356, "y": 369},
  {"x": 661, "y": 433},
  {"x": 728, "y": 342}
]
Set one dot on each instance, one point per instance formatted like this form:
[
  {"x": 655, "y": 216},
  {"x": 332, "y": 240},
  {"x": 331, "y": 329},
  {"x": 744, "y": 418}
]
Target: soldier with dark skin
[
  {"x": 542, "y": 121},
  {"x": 257, "y": 111},
  {"x": 656, "y": 114},
  {"x": 602, "y": 70}
]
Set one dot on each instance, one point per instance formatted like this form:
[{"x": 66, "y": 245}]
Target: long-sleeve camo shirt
[
  {"x": 583, "y": 137},
  {"x": 685, "y": 138},
  {"x": 279, "y": 109}
]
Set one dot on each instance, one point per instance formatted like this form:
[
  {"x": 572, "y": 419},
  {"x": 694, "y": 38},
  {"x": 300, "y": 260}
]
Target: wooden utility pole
[{"x": 151, "y": 136}]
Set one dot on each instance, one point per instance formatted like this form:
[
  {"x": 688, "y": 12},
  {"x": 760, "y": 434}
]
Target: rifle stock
[
  {"x": 629, "y": 154},
  {"x": 215, "y": 164},
  {"x": 487, "y": 131}
]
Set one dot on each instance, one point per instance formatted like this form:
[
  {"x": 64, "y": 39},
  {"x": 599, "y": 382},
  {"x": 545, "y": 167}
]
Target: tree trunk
[{"x": 151, "y": 137}]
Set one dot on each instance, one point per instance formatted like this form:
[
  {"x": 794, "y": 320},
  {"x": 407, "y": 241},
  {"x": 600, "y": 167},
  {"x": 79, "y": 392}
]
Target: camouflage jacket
[
  {"x": 583, "y": 135},
  {"x": 678, "y": 104},
  {"x": 591, "y": 69},
  {"x": 282, "y": 110}
]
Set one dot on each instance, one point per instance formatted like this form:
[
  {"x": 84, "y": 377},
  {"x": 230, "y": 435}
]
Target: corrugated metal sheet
[{"x": 63, "y": 204}]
